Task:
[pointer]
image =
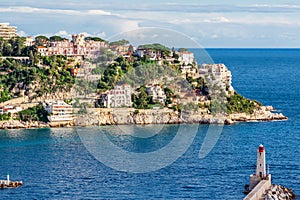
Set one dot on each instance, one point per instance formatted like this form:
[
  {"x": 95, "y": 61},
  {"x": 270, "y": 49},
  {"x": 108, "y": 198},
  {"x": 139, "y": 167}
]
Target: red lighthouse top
[{"x": 261, "y": 148}]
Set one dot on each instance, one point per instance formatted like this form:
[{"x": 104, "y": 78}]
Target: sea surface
[{"x": 55, "y": 164}]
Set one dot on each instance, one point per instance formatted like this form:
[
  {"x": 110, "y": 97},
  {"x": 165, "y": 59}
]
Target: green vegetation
[
  {"x": 4, "y": 95},
  {"x": 169, "y": 94},
  {"x": 15, "y": 47},
  {"x": 217, "y": 106},
  {"x": 113, "y": 73},
  {"x": 53, "y": 77},
  {"x": 94, "y": 39},
  {"x": 36, "y": 113},
  {"x": 119, "y": 42},
  {"x": 105, "y": 55},
  {"x": 198, "y": 84},
  {"x": 239, "y": 104},
  {"x": 182, "y": 49},
  {"x": 40, "y": 40},
  {"x": 142, "y": 99},
  {"x": 156, "y": 47},
  {"x": 5, "y": 117},
  {"x": 56, "y": 38}
]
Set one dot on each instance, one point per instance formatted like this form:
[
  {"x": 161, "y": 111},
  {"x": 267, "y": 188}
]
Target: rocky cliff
[{"x": 117, "y": 116}]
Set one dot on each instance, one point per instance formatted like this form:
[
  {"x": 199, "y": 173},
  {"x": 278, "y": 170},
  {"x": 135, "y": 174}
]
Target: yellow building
[{"x": 7, "y": 32}]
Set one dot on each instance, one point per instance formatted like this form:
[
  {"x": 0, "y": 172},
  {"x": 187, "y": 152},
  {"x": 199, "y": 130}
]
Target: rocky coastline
[{"x": 118, "y": 116}]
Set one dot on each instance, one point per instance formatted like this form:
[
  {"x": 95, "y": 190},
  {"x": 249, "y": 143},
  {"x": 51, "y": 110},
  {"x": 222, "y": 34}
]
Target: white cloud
[
  {"x": 98, "y": 12},
  {"x": 66, "y": 34},
  {"x": 214, "y": 36},
  {"x": 220, "y": 19},
  {"x": 22, "y": 34},
  {"x": 63, "y": 33},
  {"x": 26, "y": 9}
]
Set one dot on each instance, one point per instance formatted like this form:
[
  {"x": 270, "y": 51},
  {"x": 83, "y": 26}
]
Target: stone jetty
[{"x": 9, "y": 184}]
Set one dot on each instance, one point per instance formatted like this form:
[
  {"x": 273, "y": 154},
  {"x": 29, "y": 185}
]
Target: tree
[
  {"x": 182, "y": 49},
  {"x": 41, "y": 40},
  {"x": 56, "y": 38},
  {"x": 119, "y": 42},
  {"x": 94, "y": 39},
  {"x": 4, "y": 95},
  {"x": 130, "y": 49}
]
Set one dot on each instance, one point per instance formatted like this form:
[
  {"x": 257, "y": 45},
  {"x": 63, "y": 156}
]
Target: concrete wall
[{"x": 259, "y": 190}]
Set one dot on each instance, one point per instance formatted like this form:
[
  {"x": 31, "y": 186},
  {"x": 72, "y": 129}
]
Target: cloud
[
  {"x": 26, "y": 9},
  {"x": 66, "y": 34},
  {"x": 217, "y": 20},
  {"x": 21, "y": 33}
]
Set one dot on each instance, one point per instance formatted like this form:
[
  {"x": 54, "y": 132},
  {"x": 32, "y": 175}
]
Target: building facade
[
  {"x": 220, "y": 74},
  {"x": 58, "y": 111},
  {"x": 7, "y": 32},
  {"x": 120, "y": 96},
  {"x": 77, "y": 47},
  {"x": 186, "y": 57}
]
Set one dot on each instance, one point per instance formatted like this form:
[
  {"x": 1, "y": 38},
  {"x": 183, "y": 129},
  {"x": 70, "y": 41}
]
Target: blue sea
[{"x": 55, "y": 167}]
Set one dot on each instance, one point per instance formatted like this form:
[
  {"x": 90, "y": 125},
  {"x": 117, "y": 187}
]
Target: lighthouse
[
  {"x": 261, "y": 162},
  {"x": 260, "y": 171}
]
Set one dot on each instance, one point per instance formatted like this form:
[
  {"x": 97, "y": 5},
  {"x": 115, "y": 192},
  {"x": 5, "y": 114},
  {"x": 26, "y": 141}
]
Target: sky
[{"x": 210, "y": 23}]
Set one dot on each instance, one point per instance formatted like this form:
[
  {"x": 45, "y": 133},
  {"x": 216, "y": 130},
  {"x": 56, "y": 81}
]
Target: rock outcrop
[
  {"x": 263, "y": 113},
  {"x": 15, "y": 124}
]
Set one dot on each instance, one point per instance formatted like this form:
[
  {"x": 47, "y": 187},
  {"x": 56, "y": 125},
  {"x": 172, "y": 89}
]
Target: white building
[
  {"x": 219, "y": 73},
  {"x": 186, "y": 57},
  {"x": 7, "y": 32},
  {"x": 10, "y": 109},
  {"x": 120, "y": 96},
  {"x": 58, "y": 111},
  {"x": 157, "y": 93},
  {"x": 151, "y": 54},
  {"x": 29, "y": 41}
]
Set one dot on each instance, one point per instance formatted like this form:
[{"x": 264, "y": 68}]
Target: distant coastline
[{"x": 87, "y": 81}]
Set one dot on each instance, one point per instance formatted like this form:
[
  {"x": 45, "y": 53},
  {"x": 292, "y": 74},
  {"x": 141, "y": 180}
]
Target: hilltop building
[
  {"x": 186, "y": 57},
  {"x": 7, "y": 32},
  {"x": 120, "y": 96},
  {"x": 77, "y": 47},
  {"x": 220, "y": 74}
]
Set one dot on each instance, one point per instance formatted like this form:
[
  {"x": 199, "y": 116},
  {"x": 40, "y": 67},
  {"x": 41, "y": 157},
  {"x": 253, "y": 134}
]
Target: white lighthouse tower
[
  {"x": 260, "y": 172},
  {"x": 261, "y": 162}
]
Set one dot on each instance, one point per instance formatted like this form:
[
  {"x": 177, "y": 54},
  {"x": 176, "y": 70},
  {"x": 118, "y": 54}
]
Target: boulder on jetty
[{"x": 278, "y": 192}]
